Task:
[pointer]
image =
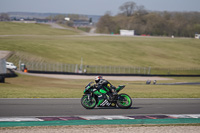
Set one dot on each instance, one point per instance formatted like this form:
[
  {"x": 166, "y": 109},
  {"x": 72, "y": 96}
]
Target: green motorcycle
[{"x": 89, "y": 100}]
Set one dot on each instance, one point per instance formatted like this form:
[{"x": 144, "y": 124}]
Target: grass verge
[{"x": 25, "y": 86}]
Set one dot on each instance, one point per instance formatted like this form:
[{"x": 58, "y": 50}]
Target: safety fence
[
  {"x": 37, "y": 64},
  {"x": 95, "y": 69},
  {"x": 77, "y": 68}
]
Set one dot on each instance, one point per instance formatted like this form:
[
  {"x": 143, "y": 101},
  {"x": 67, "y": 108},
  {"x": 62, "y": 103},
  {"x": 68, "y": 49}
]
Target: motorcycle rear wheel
[
  {"x": 124, "y": 101},
  {"x": 88, "y": 103}
]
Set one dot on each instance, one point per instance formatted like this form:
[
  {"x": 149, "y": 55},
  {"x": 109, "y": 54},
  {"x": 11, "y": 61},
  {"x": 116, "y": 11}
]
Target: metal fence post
[
  {"x": 19, "y": 65},
  {"x": 149, "y": 70}
]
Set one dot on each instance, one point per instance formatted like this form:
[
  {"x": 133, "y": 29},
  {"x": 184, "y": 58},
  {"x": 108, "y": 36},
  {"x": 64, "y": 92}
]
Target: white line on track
[{"x": 96, "y": 117}]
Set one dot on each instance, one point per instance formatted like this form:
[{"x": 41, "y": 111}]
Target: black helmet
[{"x": 98, "y": 78}]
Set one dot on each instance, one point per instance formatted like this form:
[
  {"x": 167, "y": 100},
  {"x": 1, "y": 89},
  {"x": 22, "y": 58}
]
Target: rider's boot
[
  {"x": 113, "y": 95},
  {"x": 114, "y": 92}
]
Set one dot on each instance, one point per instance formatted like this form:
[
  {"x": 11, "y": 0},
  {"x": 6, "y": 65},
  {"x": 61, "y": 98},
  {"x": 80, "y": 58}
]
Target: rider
[{"x": 103, "y": 86}]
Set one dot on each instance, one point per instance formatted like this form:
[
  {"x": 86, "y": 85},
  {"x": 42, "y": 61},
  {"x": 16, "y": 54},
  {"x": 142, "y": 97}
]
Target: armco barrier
[{"x": 107, "y": 74}]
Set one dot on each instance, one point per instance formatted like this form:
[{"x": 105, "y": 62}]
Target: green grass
[
  {"x": 50, "y": 44},
  {"x": 123, "y": 51},
  {"x": 39, "y": 42},
  {"x": 14, "y": 28},
  {"x": 25, "y": 86}
]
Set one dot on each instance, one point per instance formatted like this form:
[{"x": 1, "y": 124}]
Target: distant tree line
[
  {"x": 56, "y": 18},
  {"x": 134, "y": 17},
  {"x": 4, "y": 17},
  {"x": 60, "y": 18}
]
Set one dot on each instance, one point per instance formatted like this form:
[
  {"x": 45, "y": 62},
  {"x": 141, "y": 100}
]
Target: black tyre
[
  {"x": 124, "y": 101},
  {"x": 88, "y": 103}
]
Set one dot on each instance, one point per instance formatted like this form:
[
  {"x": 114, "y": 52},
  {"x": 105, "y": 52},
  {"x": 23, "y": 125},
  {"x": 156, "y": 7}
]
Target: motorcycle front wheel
[
  {"x": 124, "y": 101},
  {"x": 88, "y": 103}
]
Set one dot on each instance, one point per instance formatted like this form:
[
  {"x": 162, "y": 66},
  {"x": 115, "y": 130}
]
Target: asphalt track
[{"x": 72, "y": 107}]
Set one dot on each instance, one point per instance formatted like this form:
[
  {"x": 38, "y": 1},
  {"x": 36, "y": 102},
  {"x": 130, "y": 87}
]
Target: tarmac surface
[
  {"x": 24, "y": 108},
  {"x": 72, "y": 107}
]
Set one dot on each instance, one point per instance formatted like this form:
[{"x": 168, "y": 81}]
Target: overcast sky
[{"x": 94, "y": 7}]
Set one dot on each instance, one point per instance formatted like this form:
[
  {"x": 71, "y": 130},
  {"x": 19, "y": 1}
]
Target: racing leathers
[{"x": 102, "y": 87}]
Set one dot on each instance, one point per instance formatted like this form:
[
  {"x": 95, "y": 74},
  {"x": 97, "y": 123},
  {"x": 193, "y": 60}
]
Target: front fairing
[{"x": 87, "y": 88}]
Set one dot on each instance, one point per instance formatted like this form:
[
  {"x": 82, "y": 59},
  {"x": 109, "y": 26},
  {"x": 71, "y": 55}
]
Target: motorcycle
[{"x": 89, "y": 100}]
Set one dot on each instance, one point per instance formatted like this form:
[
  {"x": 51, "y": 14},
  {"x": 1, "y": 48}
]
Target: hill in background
[
  {"x": 42, "y": 43},
  {"x": 31, "y": 15}
]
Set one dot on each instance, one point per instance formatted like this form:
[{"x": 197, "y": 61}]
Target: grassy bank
[
  {"x": 123, "y": 51},
  {"x": 59, "y": 45},
  {"x": 40, "y": 42},
  {"x": 17, "y": 28},
  {"x": 39, "y": 87}
]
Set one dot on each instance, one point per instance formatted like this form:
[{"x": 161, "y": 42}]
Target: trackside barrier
[
  {"x": 97, "y": 69},
  {"x": 85, "y": 69}
]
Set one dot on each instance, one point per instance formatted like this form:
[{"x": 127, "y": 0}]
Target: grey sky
[{"x": 94, "y": 7}]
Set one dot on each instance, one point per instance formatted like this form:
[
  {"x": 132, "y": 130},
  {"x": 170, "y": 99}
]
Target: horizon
[
  {"x": 94, "y": 7},
  {"x": 90, "y": 14}
]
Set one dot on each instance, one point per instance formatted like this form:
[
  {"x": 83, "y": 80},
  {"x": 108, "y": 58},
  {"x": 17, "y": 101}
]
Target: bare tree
[
  {"x": 141, "y": 10},
  {"x": 128, "y": 8},
  {"x": 137, "y": 18}
]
